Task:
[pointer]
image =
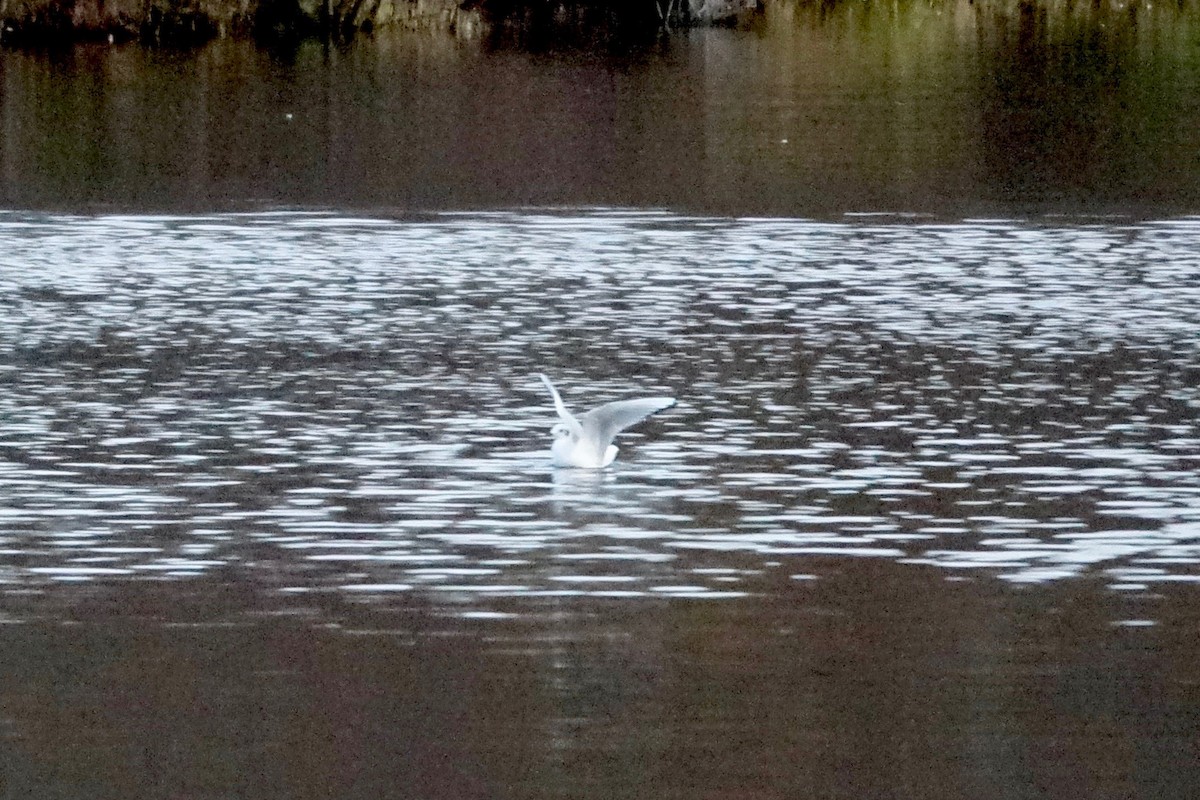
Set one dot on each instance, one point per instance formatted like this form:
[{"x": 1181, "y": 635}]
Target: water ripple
[{"x": 317, "y": 402}]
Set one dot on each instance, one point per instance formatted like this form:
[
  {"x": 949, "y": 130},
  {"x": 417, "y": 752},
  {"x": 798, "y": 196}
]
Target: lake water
[
  {"x": 957, "y": 108},
  {"x": 279, "y": 511},
  {"x": 277, "y": 515}
]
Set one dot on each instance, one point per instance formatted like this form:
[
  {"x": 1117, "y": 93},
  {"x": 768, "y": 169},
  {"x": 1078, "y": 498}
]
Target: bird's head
[{"x": 561, "y": 431}]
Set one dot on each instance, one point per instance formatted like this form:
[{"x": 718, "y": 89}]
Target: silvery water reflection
[{"x": 329, "y": 403}]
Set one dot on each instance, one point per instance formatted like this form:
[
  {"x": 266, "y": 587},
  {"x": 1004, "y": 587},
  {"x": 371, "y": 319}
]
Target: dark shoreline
[{"x": 193, "y": 22}]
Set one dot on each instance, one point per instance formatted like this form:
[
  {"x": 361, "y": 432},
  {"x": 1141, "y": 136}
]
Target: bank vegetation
[{"x": 192, "y": 22}]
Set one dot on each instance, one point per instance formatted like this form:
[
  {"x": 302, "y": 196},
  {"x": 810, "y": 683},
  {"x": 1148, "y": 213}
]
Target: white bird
[{"x": 586, "y": 441}]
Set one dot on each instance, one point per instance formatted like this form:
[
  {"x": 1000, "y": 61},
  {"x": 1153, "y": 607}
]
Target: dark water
[
  {"x": 279, "y": 518},
  {"x": 955, "y": 108}
]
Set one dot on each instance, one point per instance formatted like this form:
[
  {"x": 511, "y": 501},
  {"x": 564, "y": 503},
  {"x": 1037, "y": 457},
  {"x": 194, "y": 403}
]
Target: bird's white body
[
  {"x": 568, "y": 452},
  {"x": 586, "y": 441}
]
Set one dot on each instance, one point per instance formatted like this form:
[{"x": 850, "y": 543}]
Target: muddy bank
[{"x": 193, "y": 21}]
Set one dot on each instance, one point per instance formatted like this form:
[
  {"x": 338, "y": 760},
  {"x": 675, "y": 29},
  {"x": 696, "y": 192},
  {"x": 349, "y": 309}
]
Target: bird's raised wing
[
  {"x": 567, "y": 417},
  {"x": 603, "y": 423}
]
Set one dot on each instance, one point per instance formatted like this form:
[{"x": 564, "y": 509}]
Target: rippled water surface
[
  {"x": 949, "y": 428},
  {"x": 322, "y": 402}
]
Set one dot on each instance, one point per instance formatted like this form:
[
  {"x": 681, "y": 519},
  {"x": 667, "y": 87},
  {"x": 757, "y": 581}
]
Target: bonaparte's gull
[{"x": 586, "y": 441}]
